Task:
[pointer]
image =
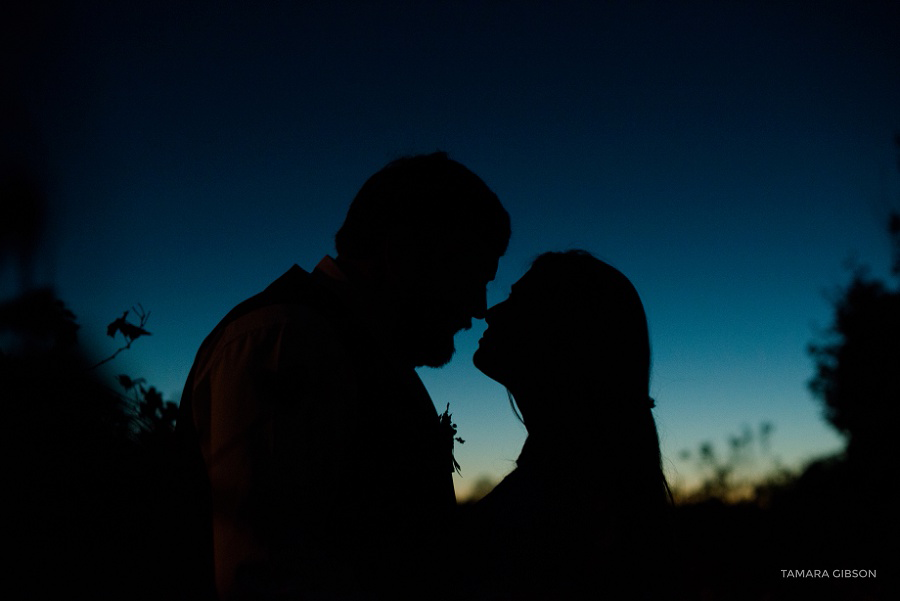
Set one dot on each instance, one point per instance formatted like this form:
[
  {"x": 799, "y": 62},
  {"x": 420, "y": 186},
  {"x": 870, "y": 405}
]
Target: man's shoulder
[
  {"x": 298, "y": 308},
  {"x": 293, "y": 323},
  {"x": 295, "y": 286}
]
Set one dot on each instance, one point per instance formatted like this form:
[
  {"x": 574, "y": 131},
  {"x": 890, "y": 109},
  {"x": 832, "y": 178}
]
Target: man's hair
[{"x": 423, "y": 204}]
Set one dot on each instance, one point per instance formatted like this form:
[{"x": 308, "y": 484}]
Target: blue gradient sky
[{"x": 729, "y": 157}]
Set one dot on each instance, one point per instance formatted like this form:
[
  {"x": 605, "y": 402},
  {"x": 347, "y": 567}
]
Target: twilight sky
[{"x": 729, "y": 157}]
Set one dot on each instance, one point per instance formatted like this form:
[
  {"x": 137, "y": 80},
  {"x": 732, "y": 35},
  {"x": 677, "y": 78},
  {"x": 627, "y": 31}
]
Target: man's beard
[
  {"x": 433, "y": 351},
  {"x": 426, "y": 334}
]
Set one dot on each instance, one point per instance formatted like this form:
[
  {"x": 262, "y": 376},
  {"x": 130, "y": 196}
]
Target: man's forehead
[{"x": 481, "y": 260}]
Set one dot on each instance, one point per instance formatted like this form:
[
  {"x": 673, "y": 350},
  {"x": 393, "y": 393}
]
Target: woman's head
[
  {"x": 572, "y": 324},
  {"x": 571, "y": 345}
]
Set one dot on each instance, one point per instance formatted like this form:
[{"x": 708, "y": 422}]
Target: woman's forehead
[{"x": 536, "y": 283}]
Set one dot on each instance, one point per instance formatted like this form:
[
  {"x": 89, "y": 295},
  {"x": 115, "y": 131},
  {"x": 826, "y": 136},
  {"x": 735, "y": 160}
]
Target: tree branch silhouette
[{"x": 129, "y": 331}]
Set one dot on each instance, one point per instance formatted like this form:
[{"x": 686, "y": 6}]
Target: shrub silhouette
[
  {"x": 90, "y": 490},
  {"x": 858, "y": 369}
]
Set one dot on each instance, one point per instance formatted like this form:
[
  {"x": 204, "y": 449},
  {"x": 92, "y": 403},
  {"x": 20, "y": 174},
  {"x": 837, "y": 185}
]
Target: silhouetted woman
[{"x": 584, "y": 512}]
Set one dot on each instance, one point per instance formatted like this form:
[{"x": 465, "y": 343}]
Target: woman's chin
[
  {"x": 486, "y": 362},
  {"x": 482, "y": 358}
]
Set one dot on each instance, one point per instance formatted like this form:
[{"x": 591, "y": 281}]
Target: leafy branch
[
  {"x": 130, "y": 332},
  {"x": 449, "y": 432},
  {"x": 154, "y": 414}
]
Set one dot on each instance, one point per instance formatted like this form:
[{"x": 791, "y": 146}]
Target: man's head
[{"x": 424, "y": 236}]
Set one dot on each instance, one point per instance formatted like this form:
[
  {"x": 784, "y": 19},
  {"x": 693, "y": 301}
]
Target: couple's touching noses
[{"x": 314, "y": 463}]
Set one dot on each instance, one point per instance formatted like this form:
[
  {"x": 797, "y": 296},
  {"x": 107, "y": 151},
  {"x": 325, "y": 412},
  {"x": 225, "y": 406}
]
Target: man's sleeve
[{"x": 280, "y": 435}]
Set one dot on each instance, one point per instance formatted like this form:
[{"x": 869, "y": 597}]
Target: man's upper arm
[{"x": 279, "y": 399}]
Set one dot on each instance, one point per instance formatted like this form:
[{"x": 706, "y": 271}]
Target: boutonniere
[{"x": 448, "y": 433}]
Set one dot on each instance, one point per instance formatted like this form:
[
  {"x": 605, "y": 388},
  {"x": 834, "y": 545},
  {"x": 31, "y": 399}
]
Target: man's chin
[
  {"x": 436, "y": 358},
  {"x": 435, "y": 353}
]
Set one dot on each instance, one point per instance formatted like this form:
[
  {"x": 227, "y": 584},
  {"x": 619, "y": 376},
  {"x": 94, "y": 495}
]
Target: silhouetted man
[{"x": 318, "y": 458}]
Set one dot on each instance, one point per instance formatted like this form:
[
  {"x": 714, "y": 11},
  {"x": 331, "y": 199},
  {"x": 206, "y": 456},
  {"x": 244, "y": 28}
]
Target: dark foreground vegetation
[
  {"x": 89, "y": 487},
  {"x": 825, "y": 533}
]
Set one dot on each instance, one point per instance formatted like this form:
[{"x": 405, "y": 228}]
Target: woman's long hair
[{"x": 603, "y": 346}]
